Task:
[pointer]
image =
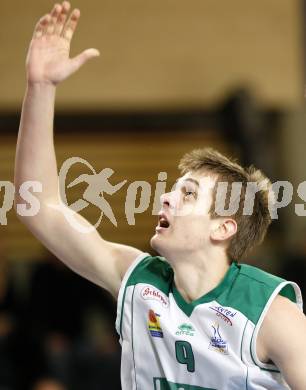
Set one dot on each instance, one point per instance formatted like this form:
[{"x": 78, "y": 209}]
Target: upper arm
[
  {"x": 283, "y": 337},
  {"x": 87, "y": 253}
]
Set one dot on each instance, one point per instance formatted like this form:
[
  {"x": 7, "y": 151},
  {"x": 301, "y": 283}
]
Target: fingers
[
  {"x": 54, "y": 15},
  {"x": 71, "y": 24},
  {"x": 41, "y": 26},
  {"x": 54, "y": 22},
  {"x": 62, "y": 18}
]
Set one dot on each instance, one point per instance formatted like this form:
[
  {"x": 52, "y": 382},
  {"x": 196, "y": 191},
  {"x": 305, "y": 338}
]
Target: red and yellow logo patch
[{"x": 154, "y": 324}]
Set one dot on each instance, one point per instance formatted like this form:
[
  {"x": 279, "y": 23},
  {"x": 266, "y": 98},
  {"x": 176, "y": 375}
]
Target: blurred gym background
[{"x": 172, "y": 76}]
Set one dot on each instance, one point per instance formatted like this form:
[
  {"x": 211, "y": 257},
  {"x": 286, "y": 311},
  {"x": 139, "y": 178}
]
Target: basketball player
[{"x": 194, "y": 318}]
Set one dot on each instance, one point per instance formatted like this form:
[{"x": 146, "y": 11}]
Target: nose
[
  {"x": 170, "y": 200},
  {"x": 165, "y": 199}
]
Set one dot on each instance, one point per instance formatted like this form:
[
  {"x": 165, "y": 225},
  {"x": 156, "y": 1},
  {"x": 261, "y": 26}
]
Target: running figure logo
[{"x": 98, "y": 184}]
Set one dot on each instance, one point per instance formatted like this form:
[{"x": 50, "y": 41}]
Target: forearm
[{"x": 35, "y": 154}]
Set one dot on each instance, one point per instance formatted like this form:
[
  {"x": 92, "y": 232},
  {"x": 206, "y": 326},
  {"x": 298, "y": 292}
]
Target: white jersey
[{"x": 208, "y": 344}]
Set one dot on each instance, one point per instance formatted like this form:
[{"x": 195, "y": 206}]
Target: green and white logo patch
[{"x": 185, "y": 330}]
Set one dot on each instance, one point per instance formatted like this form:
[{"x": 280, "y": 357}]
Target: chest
[{"x": 157, "y": 320}]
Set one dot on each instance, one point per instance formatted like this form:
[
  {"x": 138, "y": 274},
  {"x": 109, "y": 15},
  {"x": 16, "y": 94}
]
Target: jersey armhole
[
  {"x": 120, "y": 300},
  {"x": 289, "y": 290}
]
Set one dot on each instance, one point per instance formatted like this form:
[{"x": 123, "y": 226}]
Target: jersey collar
[{"x": 187, "y": 307}]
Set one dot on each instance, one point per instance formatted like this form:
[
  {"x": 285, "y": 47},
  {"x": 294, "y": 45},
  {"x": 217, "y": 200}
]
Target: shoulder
[
  {"x": 270, "y": 285},
  {"x": 282, "y": 307},
  {"x": 154, "y": 270},
  {"x": 283, "y": 337},
  {"x": 254, "y": 289},
  {"x": 255, "y": 279},
  {"x": 256, "y": 275},
  {"x": 282, "y": 316}
]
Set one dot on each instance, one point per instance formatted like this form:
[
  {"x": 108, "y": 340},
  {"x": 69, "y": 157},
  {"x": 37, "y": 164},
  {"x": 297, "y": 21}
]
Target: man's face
[{"x": 184, "y": 223}]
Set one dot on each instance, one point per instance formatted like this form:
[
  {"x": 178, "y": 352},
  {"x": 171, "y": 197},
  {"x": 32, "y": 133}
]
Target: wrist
[
  {"x": 45, "y": 88},
  {"x": 40, "y": 85}
]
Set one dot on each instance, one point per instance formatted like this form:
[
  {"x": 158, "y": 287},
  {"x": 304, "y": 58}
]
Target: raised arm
[{"x": 48, "y": 63}]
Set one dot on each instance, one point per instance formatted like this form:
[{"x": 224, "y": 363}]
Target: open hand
[{"x": 48, "y": 56}]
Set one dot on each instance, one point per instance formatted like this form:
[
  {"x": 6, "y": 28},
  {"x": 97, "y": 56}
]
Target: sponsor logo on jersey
[
  {"x": 217, "y": 343},
  {"x": 154, "y": 324},
  {"x": 185, "y": 330},
  {"x": 225, "y": 314},
  {"x": 152, "y": 293}
]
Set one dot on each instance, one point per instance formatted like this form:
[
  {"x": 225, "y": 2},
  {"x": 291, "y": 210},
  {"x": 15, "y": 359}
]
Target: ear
[{"x": 224, "y": 230}]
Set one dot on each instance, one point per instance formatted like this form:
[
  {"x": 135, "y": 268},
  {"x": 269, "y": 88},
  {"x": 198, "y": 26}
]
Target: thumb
[{"x": 82, "y": 58}]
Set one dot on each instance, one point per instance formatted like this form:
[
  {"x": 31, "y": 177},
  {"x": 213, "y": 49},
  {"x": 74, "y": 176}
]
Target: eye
[{"x": 189, "y": 193}]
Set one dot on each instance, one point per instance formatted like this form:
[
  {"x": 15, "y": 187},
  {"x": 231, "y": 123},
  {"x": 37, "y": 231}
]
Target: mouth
[{"x": 163, "y": 222}]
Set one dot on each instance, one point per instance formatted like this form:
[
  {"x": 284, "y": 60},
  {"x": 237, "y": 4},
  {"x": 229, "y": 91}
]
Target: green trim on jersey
[
  {"x": 252, "y": 290},
  {"x": 244, "y": 288},
  {"x": 163, "y": 384},
  {"x": 188, "y": 307},
  {"x": 155, "y": 271}
]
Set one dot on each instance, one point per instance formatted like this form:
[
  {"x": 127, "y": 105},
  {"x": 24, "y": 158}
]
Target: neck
[{"x": 198, "y": 274}]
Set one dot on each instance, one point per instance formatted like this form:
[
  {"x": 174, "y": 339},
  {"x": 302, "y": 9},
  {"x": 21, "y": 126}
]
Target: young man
[{"x": 197, "y": 320}]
